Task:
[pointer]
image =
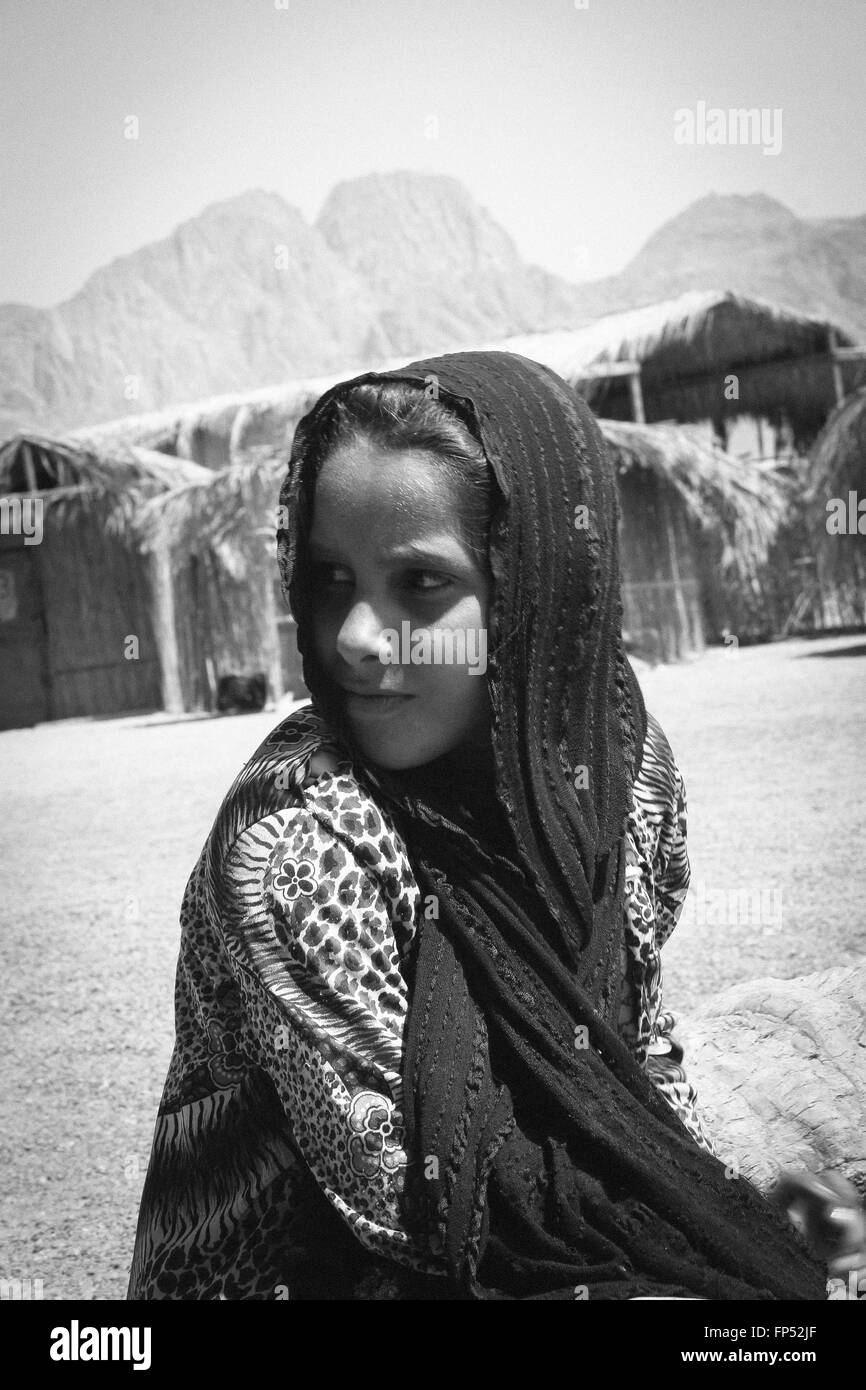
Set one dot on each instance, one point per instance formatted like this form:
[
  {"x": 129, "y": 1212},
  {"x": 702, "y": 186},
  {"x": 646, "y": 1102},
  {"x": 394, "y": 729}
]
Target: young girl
[{"x": 420, "y": 1045}]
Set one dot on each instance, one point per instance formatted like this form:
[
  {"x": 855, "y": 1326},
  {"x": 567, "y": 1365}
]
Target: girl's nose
[{"x": 362, "y": 635}]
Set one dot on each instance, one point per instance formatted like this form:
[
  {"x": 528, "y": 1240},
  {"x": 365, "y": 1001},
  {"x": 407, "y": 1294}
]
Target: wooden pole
[
  {"x": 684, "y": 643},
  {"x": 165, "y": 630},
  {"x": 636, "y": 389},
  {"x": 838, "y": 383},
  {"x": 29, "y": 469}
]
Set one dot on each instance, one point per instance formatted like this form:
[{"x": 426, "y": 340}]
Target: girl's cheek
[{"x": 324, "y": 639}]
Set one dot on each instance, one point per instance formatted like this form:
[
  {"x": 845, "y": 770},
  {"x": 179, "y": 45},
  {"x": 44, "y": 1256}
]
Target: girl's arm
[
  {"x": 657, "y": 883},
  {"x": 671, "y": 883},
  {"x": 316, "y": 914}
]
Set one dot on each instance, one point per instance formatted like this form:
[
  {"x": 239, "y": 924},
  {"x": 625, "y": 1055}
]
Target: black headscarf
[{"x": 546, "y": 1163}]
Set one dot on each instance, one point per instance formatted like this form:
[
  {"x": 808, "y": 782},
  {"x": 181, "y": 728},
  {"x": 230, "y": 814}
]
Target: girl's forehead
[{"x": 361, "y": 485}]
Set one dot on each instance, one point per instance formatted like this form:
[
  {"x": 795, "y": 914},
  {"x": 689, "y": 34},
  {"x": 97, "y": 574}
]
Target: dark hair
[{"x": 399, "y": 416}]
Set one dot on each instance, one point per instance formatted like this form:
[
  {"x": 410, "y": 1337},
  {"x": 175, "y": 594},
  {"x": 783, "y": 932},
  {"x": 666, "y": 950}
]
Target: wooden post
[
  {"x": 164, "y": 629},
  {"x": 838, "y": 383},
  {"x": 634, "y": 383},
  {"x": 684, "y": 645},
  {"x": 29, "y": 468},
  {"x": 838, "y": 356},
  {"x": 210, "y": 673}
]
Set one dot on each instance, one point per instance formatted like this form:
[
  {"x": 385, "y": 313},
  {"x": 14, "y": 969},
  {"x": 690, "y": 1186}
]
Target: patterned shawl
[{"x": 546, "y": 1164}]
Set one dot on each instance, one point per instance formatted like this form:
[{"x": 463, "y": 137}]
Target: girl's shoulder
[
  {"x": 301, "y": 779},
  {"x": 300, "y": 838},
  {"x": 658, "y": 786},
  {"x": 274, "y": 778},
  {"x": 658, "y": 818}
]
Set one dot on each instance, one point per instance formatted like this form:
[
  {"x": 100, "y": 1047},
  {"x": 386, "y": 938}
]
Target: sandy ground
[{"x": 101, "y": 822}]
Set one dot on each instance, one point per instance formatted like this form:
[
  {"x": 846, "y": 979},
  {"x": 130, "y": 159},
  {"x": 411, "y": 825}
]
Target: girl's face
[{"x": 399, "y": 606}]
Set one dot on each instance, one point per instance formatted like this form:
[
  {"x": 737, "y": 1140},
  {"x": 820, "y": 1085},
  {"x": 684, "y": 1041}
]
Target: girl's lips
[{"x": 374, "y": 706}]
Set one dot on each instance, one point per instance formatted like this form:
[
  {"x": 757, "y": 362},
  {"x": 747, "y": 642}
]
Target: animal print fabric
[{"x": 279, "y": 1142}]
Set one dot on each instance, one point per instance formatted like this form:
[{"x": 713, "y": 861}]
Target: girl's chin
[
  {"x": 391, "y": 752},
  {"x": 398, "y": 737},
  {"x": 391, "y": 758}
]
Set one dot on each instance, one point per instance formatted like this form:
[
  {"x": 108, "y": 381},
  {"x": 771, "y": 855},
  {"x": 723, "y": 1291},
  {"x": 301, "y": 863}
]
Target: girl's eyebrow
[
  {"x": 400, "y": 553},
  {"x": 413, "y": 551}
]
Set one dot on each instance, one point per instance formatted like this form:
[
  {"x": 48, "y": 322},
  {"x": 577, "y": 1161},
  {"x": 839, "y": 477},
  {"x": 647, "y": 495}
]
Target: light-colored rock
[{"x": 780, "y": 1071}]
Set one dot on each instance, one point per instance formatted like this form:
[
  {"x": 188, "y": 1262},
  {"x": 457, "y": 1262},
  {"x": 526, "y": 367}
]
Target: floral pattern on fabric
[
  {"x": 374, "y": 1142},
  {"x": 226, "y": 1063},
  {"x": 294, "y": 877}
]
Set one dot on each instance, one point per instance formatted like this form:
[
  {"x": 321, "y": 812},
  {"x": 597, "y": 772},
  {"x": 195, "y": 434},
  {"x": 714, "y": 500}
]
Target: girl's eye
[
  {"x": 428, "y": 581},
  {"x": 332, "y": 576}
]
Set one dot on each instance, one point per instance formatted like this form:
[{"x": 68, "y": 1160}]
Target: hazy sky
[{"x": 558, "y": 119}]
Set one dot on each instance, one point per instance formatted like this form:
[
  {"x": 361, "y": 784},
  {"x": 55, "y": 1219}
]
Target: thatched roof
[
  {"x": 111, "y": 482},
  {"x": 837, "y": 466},
  {"x": 220, "y": 512},
  {"x": 173, "y": 431},
  {"x": 838, "y": 456},
  {"x": 206, "y": 430},
  {"x": 686, "y": 347},
  {"x": 63, "y": 461},
  {"x": 742, "y": 502},
  {"x": 697, "y": 331}
]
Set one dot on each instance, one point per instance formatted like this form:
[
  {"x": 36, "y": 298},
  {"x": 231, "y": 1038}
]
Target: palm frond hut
[
  {"x": 706, "y": 355},
  {"x": 696, "y": 527},
  {"x": 832, "y": 511},
  {"x": 76, "y": 594},
  {"x": 219, "y": 613}
]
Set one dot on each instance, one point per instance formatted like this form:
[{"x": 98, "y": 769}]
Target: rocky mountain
[
  {"x": 439, "y": 267},
  {"x": 249, "y": 294},
  {"x": 756, "y": 246},
  {"x": 245, "y": 294}
]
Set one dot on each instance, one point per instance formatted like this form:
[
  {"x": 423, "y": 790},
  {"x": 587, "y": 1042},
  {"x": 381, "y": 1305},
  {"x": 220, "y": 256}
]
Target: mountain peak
[
  {"x": 743, "y": 214},
  {"x": 753, "y": 244},
  {"x": 443, "y": 270},
  {"x": 400, "y": 181},
  {"x": 761, "y": 202},
  {"x": 255, "y": 204}
]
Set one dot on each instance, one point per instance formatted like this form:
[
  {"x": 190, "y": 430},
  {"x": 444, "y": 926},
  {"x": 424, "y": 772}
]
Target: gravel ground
[{"x": 102, "y": 820}]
